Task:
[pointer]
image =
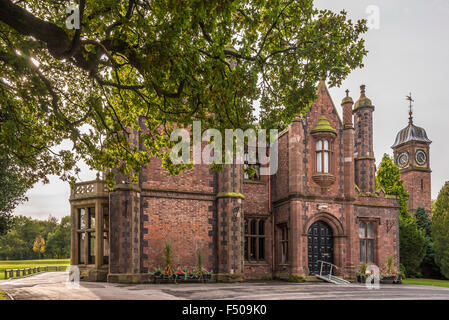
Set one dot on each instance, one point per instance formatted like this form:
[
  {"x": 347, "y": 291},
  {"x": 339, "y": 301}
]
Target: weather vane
[{"x": 409, "y": 98}]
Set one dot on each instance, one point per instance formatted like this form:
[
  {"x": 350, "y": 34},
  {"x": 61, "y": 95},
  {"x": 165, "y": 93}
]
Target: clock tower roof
[{"x": 411, "y": 133}]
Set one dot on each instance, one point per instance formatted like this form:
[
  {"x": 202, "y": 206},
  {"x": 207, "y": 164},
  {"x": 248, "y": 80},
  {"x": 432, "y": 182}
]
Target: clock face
[
  {"x": 402, "y": 159},
  {"x": 420, "y": 157}
]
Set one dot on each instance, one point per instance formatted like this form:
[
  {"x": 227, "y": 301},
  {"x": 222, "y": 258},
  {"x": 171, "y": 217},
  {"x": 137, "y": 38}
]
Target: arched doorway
[{"x": 320, "y": 246}]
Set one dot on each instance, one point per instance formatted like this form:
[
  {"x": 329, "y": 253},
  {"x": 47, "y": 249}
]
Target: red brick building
[{"x": 321, "y": 205}]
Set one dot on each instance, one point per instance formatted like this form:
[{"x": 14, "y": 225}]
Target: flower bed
[{"x": 182, "y": 274}]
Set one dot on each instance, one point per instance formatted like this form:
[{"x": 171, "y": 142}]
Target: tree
[
  {"x": 39, "y": 245},
  {"x": 134, "y": 63},
  {"x": 12, "y": 191},
  {"x": 412, "y": 240},
  {"x": 440, "y": 227},
  {"x": 428, "y": 267},
  {"x": 58, "y": 243}
]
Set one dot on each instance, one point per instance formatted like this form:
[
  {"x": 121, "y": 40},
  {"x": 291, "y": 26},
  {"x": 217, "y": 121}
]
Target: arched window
[
  {"x": 366, "y": 235},
  {"x": 323, "y": 155}
]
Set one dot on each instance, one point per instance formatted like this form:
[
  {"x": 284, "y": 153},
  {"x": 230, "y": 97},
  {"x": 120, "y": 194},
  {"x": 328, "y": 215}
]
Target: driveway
[{"x": 51, "y": 285}]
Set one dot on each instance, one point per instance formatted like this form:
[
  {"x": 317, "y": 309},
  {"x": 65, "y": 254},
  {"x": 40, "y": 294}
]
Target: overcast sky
[{"x": 408, "y": 52}]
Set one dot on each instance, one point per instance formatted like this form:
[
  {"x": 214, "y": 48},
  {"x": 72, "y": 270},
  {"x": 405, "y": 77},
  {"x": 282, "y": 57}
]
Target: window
[
  {"x": 256, "y": 166},
  {"x": 86, "y": 235},
  {"x": 284, "y": 244},
  {"x": 323, "y": 153},
  {"x": 366, "y": 235},
  {"x": 422, "y": 185},
  {"x": 254, "y": 239},
  {"x": 105, "y": 235}
]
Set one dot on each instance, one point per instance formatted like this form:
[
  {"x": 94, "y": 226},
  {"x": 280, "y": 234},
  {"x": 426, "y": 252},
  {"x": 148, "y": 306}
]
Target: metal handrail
[{"x": 321, "y": 268}]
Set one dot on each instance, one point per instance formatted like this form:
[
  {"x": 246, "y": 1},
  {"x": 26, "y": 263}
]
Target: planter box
[
  {"x": 391, "y": 279},
  {"x": 159, "y": 278}
]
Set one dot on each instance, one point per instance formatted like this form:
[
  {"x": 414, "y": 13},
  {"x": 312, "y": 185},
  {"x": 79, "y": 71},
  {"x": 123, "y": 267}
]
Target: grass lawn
[
  {"x": 3, "y": 296},
  {"x": 427, "y": 282},
  {"x": 20, "y": 264}
]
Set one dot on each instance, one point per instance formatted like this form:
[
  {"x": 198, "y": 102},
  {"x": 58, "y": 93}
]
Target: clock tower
[{"x": 411, "y": 154}]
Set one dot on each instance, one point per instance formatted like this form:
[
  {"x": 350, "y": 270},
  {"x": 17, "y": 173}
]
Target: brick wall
[{"x": 188, "y": 224}]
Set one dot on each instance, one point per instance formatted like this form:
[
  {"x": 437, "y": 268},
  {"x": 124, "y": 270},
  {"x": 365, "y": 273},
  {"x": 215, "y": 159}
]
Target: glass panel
[
  {"x": 370, "y": 251},
  {"x": 326, "y": 162},
  {"x": 253, "y": 226},
  {"x": 106, "y": 218},
  {"x": 370, "y": 233},
  {"x": 261, "y": 227},
  {"x": 318, "y": 162},
  {"x": 257, "y": 175},
  {"x": 261, "y": 248},
  {"x": 253, "y": 249},
  {"x": 319, "y": 145},
  {"x": 106, "y": 248},
  {"x": 246, "y": 248},
  {"x": 362, "y": 230},
  {"x": 326, "y": 145},
  {"x": 246, "y": 176},
  {"x": 82, "y": 218},
  {"x": 81, "y": 237},
  {"x": 91, "y": 212},
  {"x": 362, "y": 251},
  {"x": 246, "y": 226},
  {"x": 91, "y": 250}
]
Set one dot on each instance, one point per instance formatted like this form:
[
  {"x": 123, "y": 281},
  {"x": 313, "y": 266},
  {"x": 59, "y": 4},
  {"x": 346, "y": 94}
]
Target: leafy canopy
[{"x": 138, "y": 63}]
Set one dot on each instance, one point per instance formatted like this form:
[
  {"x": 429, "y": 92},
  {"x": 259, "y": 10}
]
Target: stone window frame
[
  {"x": 256, "y": 166},
  {"x": 248, "y": 235},
  {"x": 331, "y": 166},
  {"x": 85, "y": 228},
  {"x": 375, "y": 223}
]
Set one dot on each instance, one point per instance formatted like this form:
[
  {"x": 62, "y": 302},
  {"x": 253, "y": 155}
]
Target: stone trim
[
  {"x": 174, "y": 194},
  {"x": 253, "y": 182},
  {"x": 126, "y": 187},
  {"x": 358, "y": 204},
  {"x": 230, "y": 195}
]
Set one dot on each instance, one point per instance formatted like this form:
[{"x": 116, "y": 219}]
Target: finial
[
  {"x": 347, "y": 92},
  {"x": 98, "y": 175},
  {"x": 410, "y": 113},
  {"x": 362, "y": 90}
]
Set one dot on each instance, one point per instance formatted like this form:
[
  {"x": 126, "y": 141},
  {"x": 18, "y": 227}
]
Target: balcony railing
[{"x": 88, "y": 189}]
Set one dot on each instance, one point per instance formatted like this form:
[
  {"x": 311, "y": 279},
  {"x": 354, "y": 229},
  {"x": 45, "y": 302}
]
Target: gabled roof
[{"x": 322, "y": 88}]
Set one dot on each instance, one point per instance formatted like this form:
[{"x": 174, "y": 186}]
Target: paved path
[{"x": 52, "y": 286}]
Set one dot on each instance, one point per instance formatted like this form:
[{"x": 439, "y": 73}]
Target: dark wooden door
[{"x": 320, "y": 247}]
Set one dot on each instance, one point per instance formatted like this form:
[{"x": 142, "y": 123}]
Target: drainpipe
[{"x": 272, "y": 217}]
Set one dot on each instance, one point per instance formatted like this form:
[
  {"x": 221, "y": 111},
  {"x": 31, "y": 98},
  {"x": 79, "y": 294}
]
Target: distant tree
[
  {"x": 12, "y": 191},
  {"x": 39, "y": 245},
  {"x": 58, "y": 242},
  {"x": 440, "y": 230},
  {"x": 412, "y": 240}
]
